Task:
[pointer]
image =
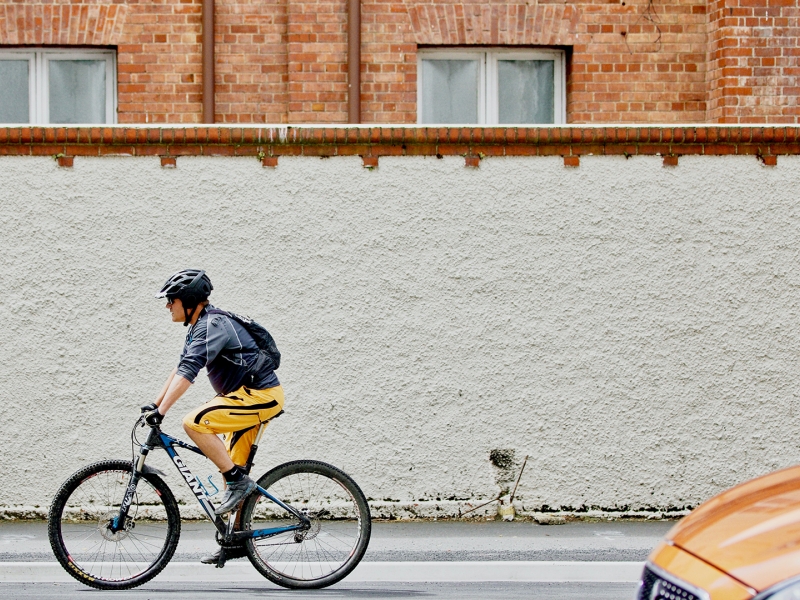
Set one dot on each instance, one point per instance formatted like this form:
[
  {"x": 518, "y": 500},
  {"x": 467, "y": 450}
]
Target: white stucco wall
[{"x": 632, "y": 328}]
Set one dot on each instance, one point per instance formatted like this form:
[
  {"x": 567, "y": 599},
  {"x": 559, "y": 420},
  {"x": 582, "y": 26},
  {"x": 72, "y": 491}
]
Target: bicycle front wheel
[
  {"x": 339, "y": 529},
  {"x": 81, "y": 536}
]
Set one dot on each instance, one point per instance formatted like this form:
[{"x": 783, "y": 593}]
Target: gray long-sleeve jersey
[{"x": 227, "y": 351}]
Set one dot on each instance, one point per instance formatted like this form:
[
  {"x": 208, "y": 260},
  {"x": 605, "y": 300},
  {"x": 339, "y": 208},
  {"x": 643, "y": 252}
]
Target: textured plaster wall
[{"x": 632, "y": 328}]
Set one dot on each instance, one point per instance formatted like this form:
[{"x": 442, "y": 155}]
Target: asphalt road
[
  {"x": 365, "y": 591},
  {"x": 438, "y": 542},
  {"x": 420, "y": 541}
]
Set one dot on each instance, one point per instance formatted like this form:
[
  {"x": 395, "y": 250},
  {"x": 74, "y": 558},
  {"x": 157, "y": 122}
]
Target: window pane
[
  {"x": 14, "y": 101},
  {"x": 450, "y": 91},
  {"x": 526, "y": 90},
  {"x": 77, "y": 91}
]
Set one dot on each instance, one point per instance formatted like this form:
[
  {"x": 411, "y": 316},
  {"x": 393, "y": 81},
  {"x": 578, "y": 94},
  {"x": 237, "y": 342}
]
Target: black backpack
[{"x": 268, "y": 355}]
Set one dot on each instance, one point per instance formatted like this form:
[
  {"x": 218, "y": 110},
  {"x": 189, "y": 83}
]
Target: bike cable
[{"x": 135, "y": 441}]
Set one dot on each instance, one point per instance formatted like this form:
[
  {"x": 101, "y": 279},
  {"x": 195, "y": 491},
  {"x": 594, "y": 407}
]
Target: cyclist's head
[{"x": 191, "y": 286}]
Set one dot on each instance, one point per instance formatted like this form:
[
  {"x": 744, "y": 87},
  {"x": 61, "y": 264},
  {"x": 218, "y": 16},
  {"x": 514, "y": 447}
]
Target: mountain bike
[{"x": 115, "y": 524}]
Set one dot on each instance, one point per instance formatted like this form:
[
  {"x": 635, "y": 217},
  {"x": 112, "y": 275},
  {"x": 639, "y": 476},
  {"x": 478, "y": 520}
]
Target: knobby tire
[
  {"x": 335, "y": 542},
  {"x": 86, "y": 547}
]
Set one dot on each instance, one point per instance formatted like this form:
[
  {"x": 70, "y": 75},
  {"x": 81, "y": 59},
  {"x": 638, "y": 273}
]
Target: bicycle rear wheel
[
  {"x": 340, "y": 525},
  {"x": 79, "y": 519}
]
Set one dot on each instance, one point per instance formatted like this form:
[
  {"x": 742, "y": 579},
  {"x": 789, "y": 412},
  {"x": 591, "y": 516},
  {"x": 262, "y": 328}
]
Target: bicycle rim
[
  {"x": 85, "y": 545},
  {"x": 339, "y": 531}
]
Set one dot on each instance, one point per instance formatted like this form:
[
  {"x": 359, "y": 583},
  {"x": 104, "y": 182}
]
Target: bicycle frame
[{"x": 158, "y": 439}]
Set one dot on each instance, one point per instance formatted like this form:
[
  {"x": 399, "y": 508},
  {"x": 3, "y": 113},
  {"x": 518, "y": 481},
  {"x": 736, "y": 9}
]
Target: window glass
[
  {"x": 474, "y": 85},
  {"x": 526, "y": 91},
  {"x": 77, "y": 91},
  {"x": 450, "y": 91},
  {"x": 14, "y": 91}
]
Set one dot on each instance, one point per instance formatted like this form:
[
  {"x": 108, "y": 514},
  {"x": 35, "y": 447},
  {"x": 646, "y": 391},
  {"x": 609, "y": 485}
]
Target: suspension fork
[{"x": 118, "y": 522}]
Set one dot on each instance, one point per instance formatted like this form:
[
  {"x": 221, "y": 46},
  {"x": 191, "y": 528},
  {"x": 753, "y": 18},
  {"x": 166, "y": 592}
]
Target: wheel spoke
[
  {"x": 80, "y": 530},
  {"x": 333, "y": 543}
]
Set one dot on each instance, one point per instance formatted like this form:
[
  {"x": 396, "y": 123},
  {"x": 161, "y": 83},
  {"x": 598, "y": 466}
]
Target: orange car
[{"x": 741, "y": 544}]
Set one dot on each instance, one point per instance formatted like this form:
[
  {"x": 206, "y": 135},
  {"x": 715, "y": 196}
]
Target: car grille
[{"x": 655, "y": 587}]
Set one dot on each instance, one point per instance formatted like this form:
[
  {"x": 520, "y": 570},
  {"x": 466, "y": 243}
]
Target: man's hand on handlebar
[{"x": 151, "y": 415}]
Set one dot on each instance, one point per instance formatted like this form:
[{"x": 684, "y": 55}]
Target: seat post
[
  {"x": 260, "y": 432},
  {"x": 251, "y": 457}
]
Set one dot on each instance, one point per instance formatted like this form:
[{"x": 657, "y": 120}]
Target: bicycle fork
[{"x": 120, "y": 520}]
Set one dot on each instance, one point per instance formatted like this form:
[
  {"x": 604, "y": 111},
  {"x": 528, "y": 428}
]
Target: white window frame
[
  {"x": 488, "y": 104},
  {"x": 39, "y": 84}
]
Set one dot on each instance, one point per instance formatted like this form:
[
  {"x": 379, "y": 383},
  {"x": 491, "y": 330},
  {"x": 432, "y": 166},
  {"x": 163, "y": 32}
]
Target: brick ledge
[{"x": 260, "y": 141}]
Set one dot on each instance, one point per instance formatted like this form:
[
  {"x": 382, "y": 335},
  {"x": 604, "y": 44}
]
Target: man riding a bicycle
[
  {"x": 115, "y": 524},
  {"x": 248, "y": 391}
]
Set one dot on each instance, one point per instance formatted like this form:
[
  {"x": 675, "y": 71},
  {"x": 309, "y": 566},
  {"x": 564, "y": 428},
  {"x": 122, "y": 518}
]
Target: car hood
[{"x": 751, "y": 531}]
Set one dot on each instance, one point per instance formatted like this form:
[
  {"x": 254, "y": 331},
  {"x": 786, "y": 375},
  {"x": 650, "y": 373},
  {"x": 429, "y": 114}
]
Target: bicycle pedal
[{"x": 221, "y": 560}]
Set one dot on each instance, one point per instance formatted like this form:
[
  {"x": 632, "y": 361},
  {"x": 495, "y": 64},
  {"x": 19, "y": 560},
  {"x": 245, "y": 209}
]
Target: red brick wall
[
  {"x": 60, "y": 23},
  {"x": 754, "y": 61},
  {"x": 158, "y": 63},
  {"x": 639, "y": 62},
  {"x": 388, "y": 63},
  {"x": 252, "y": 57},
  {"x": 317, "y": 63},
  {"x": 279, "y": 61}
]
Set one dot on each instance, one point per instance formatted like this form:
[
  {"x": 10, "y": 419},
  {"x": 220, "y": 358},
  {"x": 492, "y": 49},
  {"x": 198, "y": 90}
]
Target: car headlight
[{"x": 782, "y": 591}]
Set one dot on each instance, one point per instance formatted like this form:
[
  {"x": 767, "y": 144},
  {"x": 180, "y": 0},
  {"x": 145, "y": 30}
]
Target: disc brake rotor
[
  {"x": 114, "y": 536},
  {"x": 308, "y": 534}
]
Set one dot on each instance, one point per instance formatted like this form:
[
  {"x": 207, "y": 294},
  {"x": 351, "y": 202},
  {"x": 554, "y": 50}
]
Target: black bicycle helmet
[{"x": 191, "y": 286}]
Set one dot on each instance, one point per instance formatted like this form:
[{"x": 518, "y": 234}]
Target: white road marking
[
  {"x": 6, "y": 540},
  {"x": 429, "y": 571}
]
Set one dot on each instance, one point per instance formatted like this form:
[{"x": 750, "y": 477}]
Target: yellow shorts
[{"x": 237, "y": 415}]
